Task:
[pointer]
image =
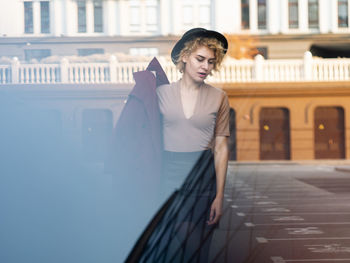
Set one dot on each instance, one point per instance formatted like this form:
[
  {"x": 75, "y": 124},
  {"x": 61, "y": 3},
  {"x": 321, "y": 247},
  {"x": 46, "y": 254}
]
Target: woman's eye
[{"x": 200, "y": 59}]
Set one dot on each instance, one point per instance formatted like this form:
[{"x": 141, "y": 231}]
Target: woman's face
[{"x": 199, "y": 64}]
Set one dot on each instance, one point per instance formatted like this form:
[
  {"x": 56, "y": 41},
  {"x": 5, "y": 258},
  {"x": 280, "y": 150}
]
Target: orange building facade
[
  {"x": 289, "y": 121},
  {"x": 269, "y": 121}
]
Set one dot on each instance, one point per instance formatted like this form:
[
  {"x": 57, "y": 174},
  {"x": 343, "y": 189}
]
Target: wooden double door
[
  {"x": 274, "y": 134},
  {"x": 329, "y": 135}
]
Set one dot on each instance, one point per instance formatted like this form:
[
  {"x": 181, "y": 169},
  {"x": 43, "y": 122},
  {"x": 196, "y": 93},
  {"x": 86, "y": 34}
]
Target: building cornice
[
  {"x": 83, "y": 40},
  {"x": 158, "y": 38},
  {"x": 287, "y": 89}
]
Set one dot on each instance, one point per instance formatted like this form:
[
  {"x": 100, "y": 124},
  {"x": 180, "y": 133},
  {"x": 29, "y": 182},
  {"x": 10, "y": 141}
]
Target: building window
[
  {"x": 81, "y": 16},
  {"x": 196, "y": 14},
  {"x": 98, "y": 16},
  {"x": 263, "y": 51},
  {"x": 135, "y": 21},
  {"x": 28, "y": 17},
  {"x": 144, "y": 15},
  {"x": 245, "y": 14},
  {"x": 343, "y": 13},
  {"x": 45, "y": 16},
  {"x": 313, "y": 13},
  {"x": 36, "y": 54},
  {"x": 261, "y": 14},
  {"x": 152, "y": 16},
  {"x": 187, "y": 16},
  {"x": 90, "y": 51},
  {"x": 144, "y": 51},
  {"x": 204, "y": 15},
  {"x": 293, "y": 12}
]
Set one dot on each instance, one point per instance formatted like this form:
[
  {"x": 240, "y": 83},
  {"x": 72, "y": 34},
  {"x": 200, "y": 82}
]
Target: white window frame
[
  {"x": 192, "y": 14},
  {"x": 141, "y": 20}
]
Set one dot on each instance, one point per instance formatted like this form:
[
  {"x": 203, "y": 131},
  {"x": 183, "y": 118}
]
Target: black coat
[{"x": 137, "y": 140}]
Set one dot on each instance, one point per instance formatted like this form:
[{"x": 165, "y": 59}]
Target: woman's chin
[{"x": 200, "y": 80}]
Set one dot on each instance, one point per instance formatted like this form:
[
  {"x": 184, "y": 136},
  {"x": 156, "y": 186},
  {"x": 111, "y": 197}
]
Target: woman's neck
[{"x": 189, "y": 84}]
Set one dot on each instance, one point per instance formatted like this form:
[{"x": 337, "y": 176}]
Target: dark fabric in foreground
[
  {"x": 137, "y": 141},
  {"x": 182, "y": 234}
]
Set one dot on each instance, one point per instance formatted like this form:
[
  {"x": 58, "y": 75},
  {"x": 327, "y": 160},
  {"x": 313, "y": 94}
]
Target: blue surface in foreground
[{"x": 54, "y": 207}]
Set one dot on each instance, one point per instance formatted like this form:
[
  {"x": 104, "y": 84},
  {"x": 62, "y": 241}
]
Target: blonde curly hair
[{"x": 191, "y": 45}]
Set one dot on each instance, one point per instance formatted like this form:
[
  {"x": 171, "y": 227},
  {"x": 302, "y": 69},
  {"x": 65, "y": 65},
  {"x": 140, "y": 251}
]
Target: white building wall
[
  {"x": 11, "y": 18},
  {"x": 56, "y": 15},
  {"x": 303, "y": 16},
  {"x": 334, "y": 16},
  {"x": 70, "y": 18},
  {"x": 225, "y": 16},
  {"x": 36, "y": 17},
  {"x": 253, "y": 17},
  {"x": 325, "y": 16},
  {"x": 124, "y": 17},
  {"x": 89, "y": 17},
  {"x": 273, "y": 16},
  {"x": 176, "y": 6},
  {"x": 165, "y": 20},
  {"x": 283, "y": 17}
]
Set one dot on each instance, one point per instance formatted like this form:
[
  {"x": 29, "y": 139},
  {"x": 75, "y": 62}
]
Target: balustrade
[{"x": 232, "y": 71}]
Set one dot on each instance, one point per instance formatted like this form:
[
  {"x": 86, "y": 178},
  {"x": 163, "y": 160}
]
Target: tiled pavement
[{"x": 284, "y": 213}]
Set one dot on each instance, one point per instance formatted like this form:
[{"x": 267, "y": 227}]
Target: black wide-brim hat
[{"x": 194, "y": 33}]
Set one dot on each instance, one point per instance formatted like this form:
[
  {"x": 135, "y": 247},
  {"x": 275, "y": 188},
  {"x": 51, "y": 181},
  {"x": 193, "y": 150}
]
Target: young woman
[{"x": 196, "y": 122}]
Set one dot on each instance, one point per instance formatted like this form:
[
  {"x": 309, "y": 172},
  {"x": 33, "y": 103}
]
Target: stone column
[
  {"x": 110, "y": 17},
  {"x": 165, "y": 17},
  {"x": 36, "y": 17},
  {"x": 284, "y": 16},
  {"x": 324, "y": 15},
  {"x": 89, "y": 16},
  {"x": 253, "y": 15},
  {"x": 124, "y": 18},
  {"x": 273, "y": 14},
  {"x": 303, "y": 16},
  {"x": 70, "y": 17},
  {"x": 56, "y": 21},
  {"x": 334, "y": 16}
]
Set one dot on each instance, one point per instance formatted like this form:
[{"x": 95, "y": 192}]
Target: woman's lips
[{"x": 202, "y": 75}]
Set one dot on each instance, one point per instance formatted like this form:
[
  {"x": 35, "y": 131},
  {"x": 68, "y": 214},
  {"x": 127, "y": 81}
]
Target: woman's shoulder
[
  {"x": 165, "y": 87},
  {"x": 214, "y": 91}
]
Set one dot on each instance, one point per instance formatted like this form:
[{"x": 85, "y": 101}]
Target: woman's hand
[{"x": 215, "y": 211}]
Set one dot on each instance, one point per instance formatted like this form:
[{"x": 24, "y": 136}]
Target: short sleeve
[{"x": 223, "y": 117}]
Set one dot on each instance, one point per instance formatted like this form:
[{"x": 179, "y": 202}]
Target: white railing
[
  {"x": 38, "y": 73},
  {"x": 86, "y": 73},
  {"x": 232, "y": 71},
  {"x": 5, "y": 74}
]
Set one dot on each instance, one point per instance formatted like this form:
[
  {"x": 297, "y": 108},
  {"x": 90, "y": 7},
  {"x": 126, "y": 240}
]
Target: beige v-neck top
[{"x": 210, "y": 118}]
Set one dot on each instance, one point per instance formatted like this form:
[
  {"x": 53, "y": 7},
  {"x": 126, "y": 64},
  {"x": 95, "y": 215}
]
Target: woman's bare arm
[{"x": 221, "y": 160}]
